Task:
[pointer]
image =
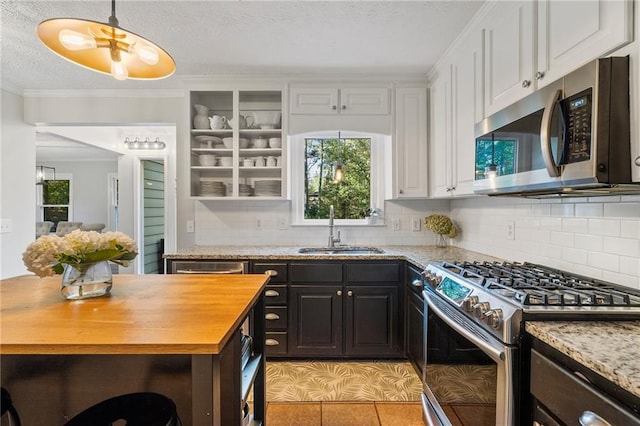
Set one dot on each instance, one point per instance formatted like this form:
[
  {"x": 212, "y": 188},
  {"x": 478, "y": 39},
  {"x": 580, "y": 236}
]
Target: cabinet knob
[
  {"x": 637, "y": 161},
  {"x": 339, "y": 292},
  {"x": 526, "y": 83},
  {"x": 271, "y": 272},
  {"x": 344, "y": 107},
  {"x": 272, "y": 317},
  {"x": 271, "y": 342},
  {"x": 272, "y": 293},
  {"x": 417, "y": 283},
  {"x": 400, "y": 191},
  {"x": 349, "y": 293},
  {"x": 539, "y": 75},
  {"x": 334, "y": 107}
]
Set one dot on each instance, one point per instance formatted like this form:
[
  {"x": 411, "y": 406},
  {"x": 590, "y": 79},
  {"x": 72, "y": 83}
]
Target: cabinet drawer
[
  {"x": 275, "y": 317},
  {"x": 277, "y": 271},
  {"x": 414, "y": 281},
  {"x": 373, "y": 272},
  {"x": 275, "y": 295},
  {"x": 316, "y": 272},
  {"x": 567, "y": 396},
  {"x": 276, "y": 343}
]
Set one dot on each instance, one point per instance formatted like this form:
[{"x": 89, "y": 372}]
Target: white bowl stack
[
  {"x": 268, "y": 188},
  {"x": 267, "y": 119}
]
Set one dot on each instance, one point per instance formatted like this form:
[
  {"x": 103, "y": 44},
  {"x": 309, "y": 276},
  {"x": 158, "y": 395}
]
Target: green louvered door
[{"x": 153, "y": 216}]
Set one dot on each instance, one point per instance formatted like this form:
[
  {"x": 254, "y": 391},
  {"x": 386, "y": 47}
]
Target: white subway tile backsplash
[
  {"x": 574, "y": 255},
  {"x": 630, "y": 229},
  {"x": 589, "y": 210},
  {"x": 622, "y": 210},
  {"x": 562, "y": 210},
  {"x": 575, "y": 225},
  {"x": 610, "y": 227},
  {"x": 606, "y": 261},
  {"x": 588, "y": 242},
  {"x": 630, "y": 265},
  {"x": 564, "y": 239},
  {"x": 622, "y": 246}
]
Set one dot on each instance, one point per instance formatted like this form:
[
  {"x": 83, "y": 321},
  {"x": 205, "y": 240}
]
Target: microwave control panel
[{"x": 578, "y": 113}]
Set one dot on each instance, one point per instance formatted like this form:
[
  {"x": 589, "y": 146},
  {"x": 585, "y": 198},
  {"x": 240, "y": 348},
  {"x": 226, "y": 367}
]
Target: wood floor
[{"x": 371, "y": 414}]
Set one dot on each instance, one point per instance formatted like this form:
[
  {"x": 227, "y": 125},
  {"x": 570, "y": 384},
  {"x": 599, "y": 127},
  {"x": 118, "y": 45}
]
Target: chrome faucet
[{"x": 332, "y": 240}]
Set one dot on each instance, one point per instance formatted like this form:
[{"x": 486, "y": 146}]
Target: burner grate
[{"x": 537, "y": 285}]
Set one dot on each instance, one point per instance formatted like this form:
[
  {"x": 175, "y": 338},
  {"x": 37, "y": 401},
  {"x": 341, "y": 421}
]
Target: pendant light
[
  {"x": 338, "y": 174},
  {"x": 106, "y": 48},
  {"x": 44, "y": 173}
]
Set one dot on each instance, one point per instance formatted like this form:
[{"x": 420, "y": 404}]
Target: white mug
[
  {"x": 248, "y": 162},
  {"x": 271, "y": 161},
  {"x": 259, "y": 161}
]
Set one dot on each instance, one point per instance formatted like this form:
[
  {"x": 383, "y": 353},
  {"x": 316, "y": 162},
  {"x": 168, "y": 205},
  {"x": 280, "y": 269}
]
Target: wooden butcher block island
[{"x": 177, "y": 335}]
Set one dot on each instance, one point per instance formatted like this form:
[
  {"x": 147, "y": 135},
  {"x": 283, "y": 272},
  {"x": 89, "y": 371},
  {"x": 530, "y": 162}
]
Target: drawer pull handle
[
  {"x": 271, "y": 342},
  {"x": 271, "y": 293},
  {"x": 349, "y": 293},
  {"x": 271, "y": 272},
  {"x": 272, "y": 317},
  {"x": 589, "y": 418}
]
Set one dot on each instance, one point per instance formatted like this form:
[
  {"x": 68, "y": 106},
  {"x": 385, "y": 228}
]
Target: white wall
[
  {"x": 234, "y": 223},
  {"x": 17, "y": 184},
  {"x": 598, "y": 237},
  {"x": 89, "y": 188}
]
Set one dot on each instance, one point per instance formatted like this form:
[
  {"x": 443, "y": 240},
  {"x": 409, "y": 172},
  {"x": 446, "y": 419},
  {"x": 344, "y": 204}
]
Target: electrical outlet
[
  {"x": 191, "y": 227},
  {"x": 415, "y": 224},
  {"x": 259, "y": 223},
  {"x": 511, "y": 230},
  {"x": 395, "y": 223},
  {"x": 282, "y": 222},
  {"x": 6, "y": 226}
]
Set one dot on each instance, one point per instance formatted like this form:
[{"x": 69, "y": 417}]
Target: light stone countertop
[
  {"x": 608, "y": 348},
  {"x": 420, "y": 256}
]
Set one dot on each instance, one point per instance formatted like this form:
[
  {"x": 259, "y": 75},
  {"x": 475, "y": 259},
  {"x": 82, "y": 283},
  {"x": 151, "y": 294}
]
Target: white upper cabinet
[
  {"x": 571, "y": 33},
  {"x": 456, "y": 105},
  {"x": 328, "y": 100},
  {"x": 521, "y": 56},
  {"x": 411, "y": 170},
  {"x": 508, "y": 54}
]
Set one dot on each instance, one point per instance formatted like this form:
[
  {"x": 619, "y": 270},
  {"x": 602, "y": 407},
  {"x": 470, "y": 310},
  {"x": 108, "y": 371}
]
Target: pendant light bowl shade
[{"x": 106, "y": 48}]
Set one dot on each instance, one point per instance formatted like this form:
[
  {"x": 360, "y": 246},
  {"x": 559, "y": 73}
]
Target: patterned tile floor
[{"x": 380, "y": 393}]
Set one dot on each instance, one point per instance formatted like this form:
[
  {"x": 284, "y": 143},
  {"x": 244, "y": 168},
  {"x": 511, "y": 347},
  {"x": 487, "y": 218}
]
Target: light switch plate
[
  {"x": 6, "y": 226},
  {"x": 191, "y": 227},
  {"x": 259, "y": 223},
  {"x": 415, "y": 224},
  {"x": 511, "y": 230},
  {"x": 395, "y": 223},
  {"x": 282, "y": 222}
]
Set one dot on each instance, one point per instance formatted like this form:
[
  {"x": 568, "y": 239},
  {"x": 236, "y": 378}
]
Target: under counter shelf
[{"x": 249, "y": 373}]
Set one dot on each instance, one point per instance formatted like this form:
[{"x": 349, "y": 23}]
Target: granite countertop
[
  {"x": 608, "y": 348},
  {"x": 420, "y": 256}
]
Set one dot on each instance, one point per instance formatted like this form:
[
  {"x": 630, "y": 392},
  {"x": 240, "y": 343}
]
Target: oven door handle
[{"x": 495, "y": 353}]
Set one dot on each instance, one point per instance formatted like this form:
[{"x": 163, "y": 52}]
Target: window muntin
[
  {"x": 55, "y": 196},
  {"x": 346, "y": 205}
]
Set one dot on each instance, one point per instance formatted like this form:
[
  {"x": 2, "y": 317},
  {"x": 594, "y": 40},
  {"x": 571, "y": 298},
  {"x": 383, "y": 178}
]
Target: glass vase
[
  {"x": 441, "y": 240},
  {"x": 86, "y": 281}
]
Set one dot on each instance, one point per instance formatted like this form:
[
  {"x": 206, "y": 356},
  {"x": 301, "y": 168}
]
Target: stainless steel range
[{"x": 487, "y": 304}]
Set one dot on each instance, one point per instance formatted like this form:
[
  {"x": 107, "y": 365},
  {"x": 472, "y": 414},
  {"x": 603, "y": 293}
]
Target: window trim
[
  {"x": 296, "y": 172},
  {"x": 40, "y": 195}
]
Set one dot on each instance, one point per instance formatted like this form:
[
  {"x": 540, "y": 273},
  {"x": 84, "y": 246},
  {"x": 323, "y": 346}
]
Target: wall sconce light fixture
[{"x": 44, "y": 173}]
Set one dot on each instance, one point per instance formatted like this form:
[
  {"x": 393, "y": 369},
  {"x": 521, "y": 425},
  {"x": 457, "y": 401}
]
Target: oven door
[{"x": 469, "y": 376}]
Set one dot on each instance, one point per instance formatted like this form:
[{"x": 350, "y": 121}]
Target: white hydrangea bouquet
[{"x": 48, "y": 254}]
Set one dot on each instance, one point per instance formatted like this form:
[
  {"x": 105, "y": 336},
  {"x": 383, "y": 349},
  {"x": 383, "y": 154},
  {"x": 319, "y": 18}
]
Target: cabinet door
[
  {"x": 440, "y": 141},
  {"x": 313, "y": 100},
  {"x": 468, "y": 108},
  {"x": 508, "y": 54},
  {"x": 411, "y": 169},
  {"x": 364, "y": 101},
  {"x": 372, "y": 323},
  {"x": 415, "y": 330},
  {"x": 571, "y": 34},
  {"x": 316, "y": 320}
]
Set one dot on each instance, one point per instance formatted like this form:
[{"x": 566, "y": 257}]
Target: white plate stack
[
  {"x": 268, "y": 188},
  {"x": 212, "y": 188},
  {"x": 245, "y": 190}
]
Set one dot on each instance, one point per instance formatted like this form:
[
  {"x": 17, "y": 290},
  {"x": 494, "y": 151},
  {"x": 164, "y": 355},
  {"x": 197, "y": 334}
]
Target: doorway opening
[{"x": 153, "y": 216}]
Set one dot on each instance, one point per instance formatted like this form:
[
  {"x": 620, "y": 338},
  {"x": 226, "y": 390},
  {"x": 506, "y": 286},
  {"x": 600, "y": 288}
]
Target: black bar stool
[
  {"x": 6, "y": 406},
  {"x": 137, "y": 409}
]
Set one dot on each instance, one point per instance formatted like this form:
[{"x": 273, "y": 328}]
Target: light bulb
[
  {"x": 147, "y": 54},
  {"x": 73, "y": 40},
  {"x": 119, "y": 70},
  {"x": 339, "y": 173}
]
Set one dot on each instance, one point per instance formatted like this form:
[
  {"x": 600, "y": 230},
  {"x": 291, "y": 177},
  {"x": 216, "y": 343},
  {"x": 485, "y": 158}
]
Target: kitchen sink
[{"x": 340, "y": 250}]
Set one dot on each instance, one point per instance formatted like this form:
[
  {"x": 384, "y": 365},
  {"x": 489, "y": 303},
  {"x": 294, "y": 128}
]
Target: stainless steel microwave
[{"x": 571, "y": 137}]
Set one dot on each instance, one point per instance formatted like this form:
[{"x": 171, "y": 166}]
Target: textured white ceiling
[{"x": 240, "y": 38}]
